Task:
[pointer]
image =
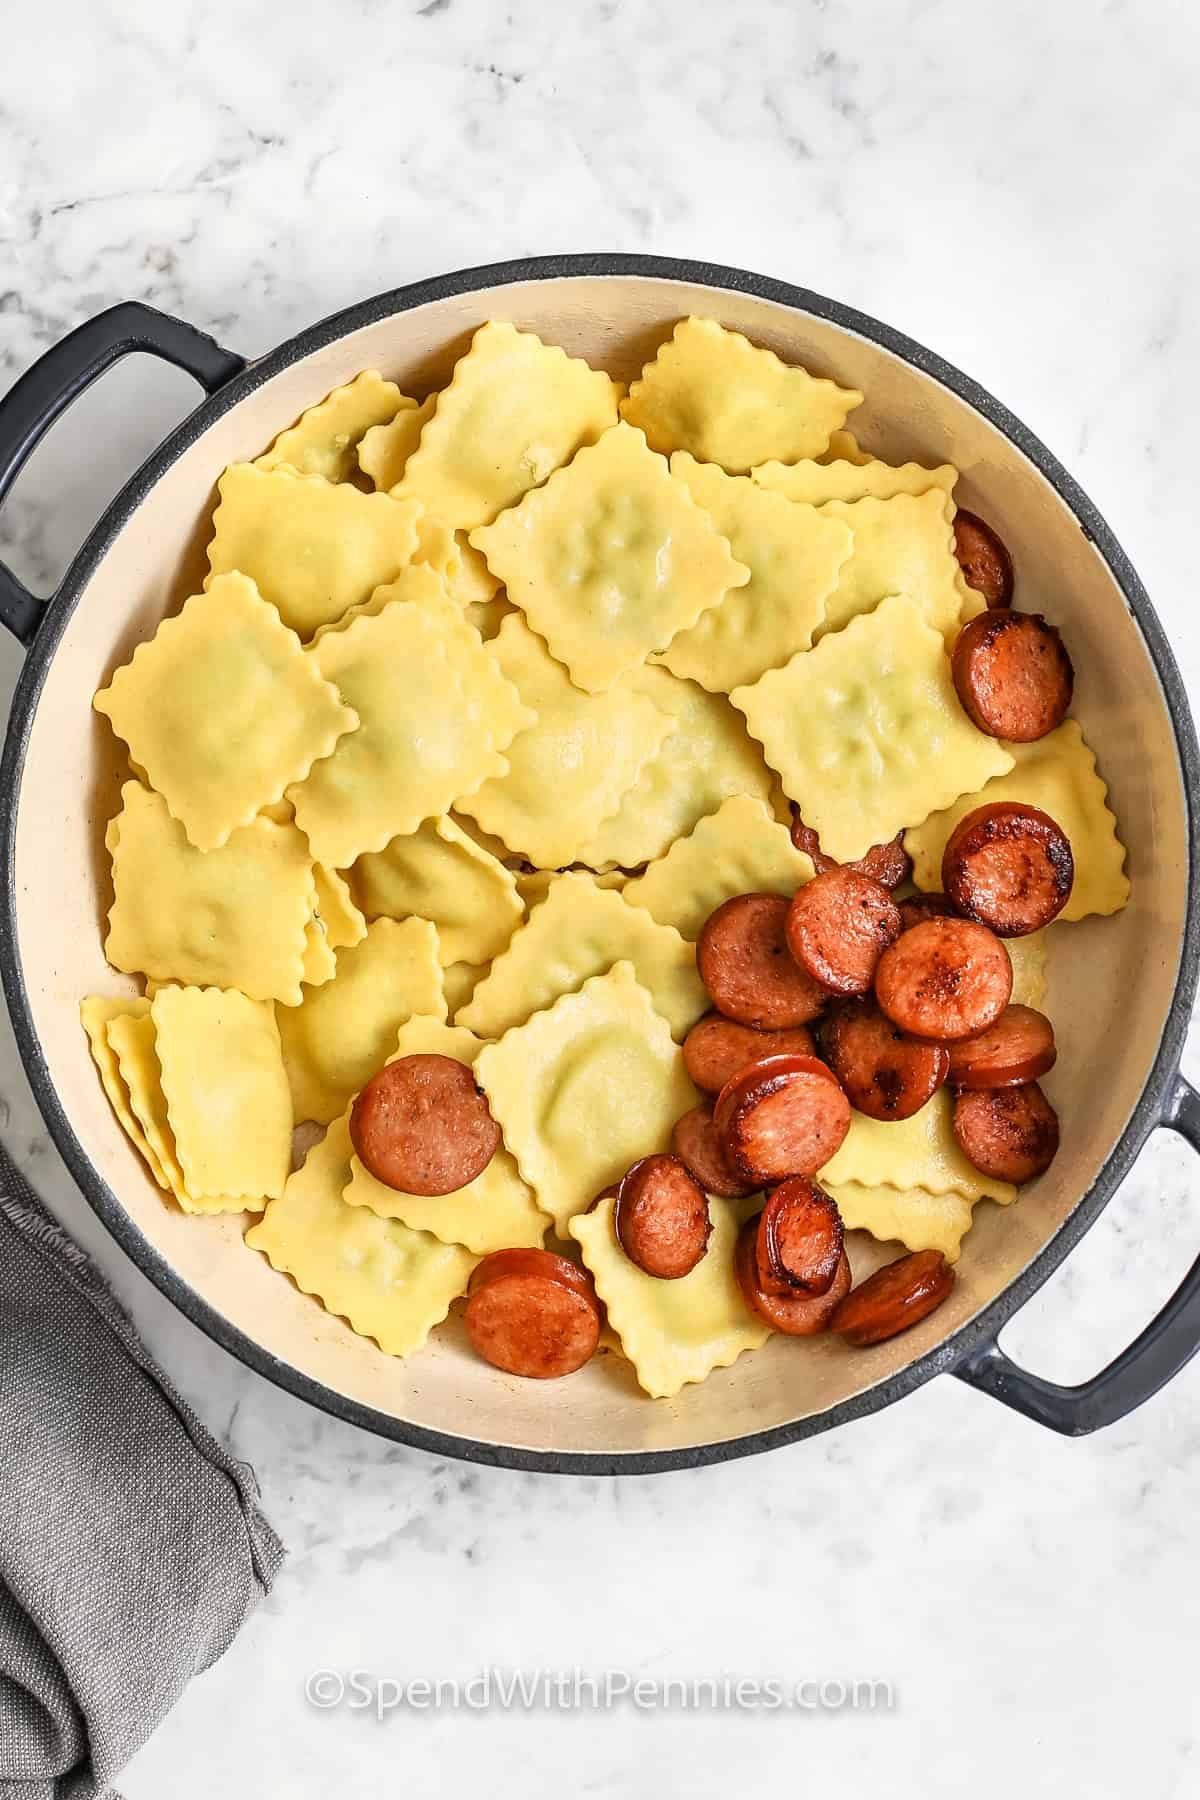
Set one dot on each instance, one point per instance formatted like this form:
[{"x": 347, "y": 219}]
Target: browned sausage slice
[
  {"x": 783, "y": 1116},
  {"x": 895, "y": 1297},
  {"x": 1008, "y": 866},
  {"x": 945, "y": 979},
  {"x": 800, "y": 1239},
  {"x": 1013, "y": 675},
  {"x": 716, "y": 1048},
  {"x": 1018, "y": 1048},
  {"x": 796, "y": 1314},
  {"x": 746, "y": 966},
  {"x": 838, "y": 926},
  {"x": 916, "y": 908},
  {"x": 661, "y": 1218},
  {"x": 885, "y": 1074},
  {"x": 422, "y": 1126},
  {"x": 1009, "y": 1133},
  {"x": 529, "y": 1318},
  {"x": 697, "y": 1143},
  {"x": 889, "y": 863},
  {"x": 983, "y": 559}
]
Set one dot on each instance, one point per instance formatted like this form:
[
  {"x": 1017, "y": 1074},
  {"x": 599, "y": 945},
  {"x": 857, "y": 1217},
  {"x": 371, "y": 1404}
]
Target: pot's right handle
[
  {"x": 46, "y": 389},
  {"x": 1169, "y": 1341}
]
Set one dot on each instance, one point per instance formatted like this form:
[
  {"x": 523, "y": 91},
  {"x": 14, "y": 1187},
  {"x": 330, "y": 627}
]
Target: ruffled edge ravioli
[
  {"x": 439, "y": 873},
  {"x": 326, "y": 439},
  {"x": 387, "y": 1281},
  {"x": 740, "y": 849},
  {"x": 920, "y": 1152},
  {"x": 910, "y": 1216}
]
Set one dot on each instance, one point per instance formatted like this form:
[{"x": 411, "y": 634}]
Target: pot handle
[
  {"x": 46, "y": 389},
  {"x": 1169, "y": 1341}
]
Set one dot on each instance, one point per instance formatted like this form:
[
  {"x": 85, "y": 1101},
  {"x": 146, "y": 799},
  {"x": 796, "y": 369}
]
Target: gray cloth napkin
[{"x": 132, "y": 1547}]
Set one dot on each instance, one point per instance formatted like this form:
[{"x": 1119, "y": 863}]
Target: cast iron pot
[{"x": 1120, "y": 989}]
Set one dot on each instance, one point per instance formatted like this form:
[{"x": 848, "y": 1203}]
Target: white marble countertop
[{"x": 1012, "y": 183}]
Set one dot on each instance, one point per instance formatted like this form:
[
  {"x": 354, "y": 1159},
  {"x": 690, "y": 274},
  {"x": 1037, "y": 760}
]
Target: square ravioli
[
  {"x": 903, "y": 545},
  {"x": 569, "y": 770},
  {"x": 325, "y": 439},
  {"x": 388, "y": 1282},
  {"x": 226, "y": 1093},
  {"x": 816, "y": 483},
  {"x": 707, "y": 758},
  {"x": 908, "y": 1216},
  {"x": 920, "y": 1152},
  {"x": 96, "y": 1014},
  {"x": 342, "y": 1032},
  {"x": 1057, "y": 774},
  {"x": 496, "y": 1211},
  {"x": 314, "y": 548},
  {"x": 584, "y": 1089},
  {"x": 421, "y": 743},
  {"x": 515, "y": 410},
  {"x": 740, "y": 849},
  {"x": 673, "y": 1332},
  {"x": 223, "y": 709},
  {"x": 577, "y": 931},
  {"x": 715, "y": 394},
  {"x": 439, "y": 873},
  {"x": 384, "y": 450},
  {"x": 610, "y": 558},
  {"x": 234, "y": 917},
  {"x": 866, "y": 731},
  {"x": 793, "y": 554}
]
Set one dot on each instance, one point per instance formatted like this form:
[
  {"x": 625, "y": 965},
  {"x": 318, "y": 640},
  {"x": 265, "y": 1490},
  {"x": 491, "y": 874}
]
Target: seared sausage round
[
  {"x": 838, "y": 926},
  {"x": 885, "y": 1074},
  {"x": 697, "y": 1143},
  {"x": 1008, "y": 866},
  {"x": 422, "y": 1126},
  {"x": 783, "y": 1116},
  {"x": 796, "y": 1314},
  {"x": 916, "y": 908},
  {"x": 530, "y": 1317},
  {"x": 983, "y": 559},
  {"x": 800, "y": 1239},
  {"x": 1009, "y": 1133},
  {"x": 889, "y": 863},
  {"x": 945, "y": 979},
  {"x": 895, "y": 1297},
  {"x": 716, "y": 1048},
  {"x": 1013, "y": 675},
  {"x": 1018, "y": 1048},
  {"x": 746, "y": 966},
  {"x": 661, "y": 1218}
]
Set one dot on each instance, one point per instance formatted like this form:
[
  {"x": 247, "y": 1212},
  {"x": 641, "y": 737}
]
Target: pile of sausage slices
[{"x": 841, "y": 998}]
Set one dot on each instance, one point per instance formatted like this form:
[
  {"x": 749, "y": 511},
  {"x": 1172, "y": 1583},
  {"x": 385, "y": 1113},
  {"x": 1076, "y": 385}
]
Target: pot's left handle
[{"x": 45, "y": 391}]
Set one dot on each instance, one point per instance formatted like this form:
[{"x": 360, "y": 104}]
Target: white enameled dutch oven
[{"x": 1125, "y": 983}]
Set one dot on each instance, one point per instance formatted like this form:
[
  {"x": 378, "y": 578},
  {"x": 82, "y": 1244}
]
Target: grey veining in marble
[{"x": 1013, "y": 183}]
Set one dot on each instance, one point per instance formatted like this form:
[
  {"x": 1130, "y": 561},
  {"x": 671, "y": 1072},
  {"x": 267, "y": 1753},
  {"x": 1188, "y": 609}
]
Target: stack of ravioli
[{"x": 487, "y": 702}]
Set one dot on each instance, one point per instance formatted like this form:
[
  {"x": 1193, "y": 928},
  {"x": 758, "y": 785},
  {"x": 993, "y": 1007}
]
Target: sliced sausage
[
  {"x": 1010, "y": 867},
  {"x": 889, "y": 863},
  {"x": 800, "y": 1239},
  {"x": 983, "y": 559},
  {"x": 423, "y": 1126},
  {"x": 746, "y": 966},
  {"x": 916, "y": 908},
  {"x": 895, "y": 1297},
  {"x": 661, "y": 1218},
  {"x": 716, "y": 1048},
  {"x": 1018, "y": 1048},
  {"x": 697, "y": 1143},
  {"x": 945, "y": 979},
  {"x": 783, "y": 1116},
  {"x": 1009, "y": 1133},
  {"x": 1013, "y": 675},
  {"x": 530, "y": 1318},
  {"x": 838, "y": 926},
  {"x": 885, "y": 1074},
  {"x": 796, "y": 1314}
]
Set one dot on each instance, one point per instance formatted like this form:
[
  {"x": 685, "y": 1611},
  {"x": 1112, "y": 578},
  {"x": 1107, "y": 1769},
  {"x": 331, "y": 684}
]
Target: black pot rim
[{"x": 943, "y": 1357}]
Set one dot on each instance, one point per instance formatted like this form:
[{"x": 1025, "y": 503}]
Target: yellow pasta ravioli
[
  {"x": 904, "y": 545},
  {"x": 386, "y": 448},
  {"x": 610, "y": 558},
  {"x": 866, "y": 731},
  {"x": 910, "y": 1216},
  {"x": 325, "y": 440},
  {"x": 740, "y": 849},
  {"x": 585, "y": 1088},
  {"x": 439, "y": 873},
  {"x": 715, "y": 394},
  {"x": 920, "y": 1152},
  {"x": 816, "y": 483},
  {"x": 96, "y": 1014}
]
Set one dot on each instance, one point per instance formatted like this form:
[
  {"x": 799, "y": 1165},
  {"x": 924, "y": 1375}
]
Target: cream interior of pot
[{"x": 1110, "y": 980}]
